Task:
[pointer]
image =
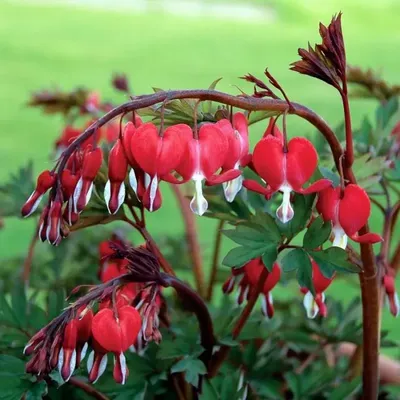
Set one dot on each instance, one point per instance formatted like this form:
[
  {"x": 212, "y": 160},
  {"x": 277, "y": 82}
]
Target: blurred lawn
[{"x": 55, "y": 46}]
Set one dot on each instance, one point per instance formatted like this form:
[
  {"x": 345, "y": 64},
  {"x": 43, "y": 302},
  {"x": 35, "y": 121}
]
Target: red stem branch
[
  {"x": 214, "y": 265},
  {"x": 89, "y": 389},
  {"x": 191, "y": 238},
  {"x": 29, "y": 257}
]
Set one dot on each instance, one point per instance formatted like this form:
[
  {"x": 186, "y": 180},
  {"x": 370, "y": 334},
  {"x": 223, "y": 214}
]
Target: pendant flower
[
  {"x": 348, "y": 214},
  {"x": 114, "y": 191},
  {"x": 237, "y": 155},
  {"x": 316, "y": 304},
  {"x": 391, "y": 294},
  {"x": 91, "y": 164},
  {"x": 157, "y": 155},
  {"x": 44, "y": 182},
  {"x": 114, "y": 331},
  {"x": 204, "y": 156},
  {"x": 285, "y": 172}
]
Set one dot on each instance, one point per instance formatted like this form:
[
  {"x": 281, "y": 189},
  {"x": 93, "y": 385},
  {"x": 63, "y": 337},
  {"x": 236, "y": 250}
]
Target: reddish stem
[
  {"x": 191, "y": 238},
  {"x": 89, "y": 389},
  {"x": 349, "y": 159},
  {"x": 214, "y": 265},
  {"x": 29, "y": 257}
]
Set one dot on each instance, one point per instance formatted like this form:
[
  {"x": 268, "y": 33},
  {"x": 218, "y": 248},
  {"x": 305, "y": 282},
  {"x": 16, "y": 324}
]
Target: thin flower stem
[
  {"x": 29, "y": 257},
  {"x": 214, "y": 265},
  {"x": 349, "y": 154},
  {"x": 191, "y": 238},
  {"x": 244, "y": 316},
  {"x": 89, "y": 389},
  {"x": 379, "y": 205}
]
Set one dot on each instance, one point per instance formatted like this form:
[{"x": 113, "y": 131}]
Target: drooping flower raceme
[
  {"x": 285, "y": 171},
  {"x": 349, "y": 212}
]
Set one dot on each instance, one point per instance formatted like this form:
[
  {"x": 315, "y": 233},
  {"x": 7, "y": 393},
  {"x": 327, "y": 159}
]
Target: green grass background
[{"x": 42, "y": 46}]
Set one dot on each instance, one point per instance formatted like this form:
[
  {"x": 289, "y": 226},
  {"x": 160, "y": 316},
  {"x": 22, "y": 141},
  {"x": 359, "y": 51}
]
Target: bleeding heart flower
[
  {"x": 391, "y": 295},
  {"x": 44, "y": 182},
  {"x": 69, "y": 181},
  {"x": 74, "y": 345},
  {"x": 273, "y": 130},
  {"x": 253, "y": 270},
  {"x": 91, "y": 165},
  {"x": 203, "y": 158},
  {"x": 348, "y": 214},
  {"x": 96, "y": 362},
  {"x": 237, "y": 155},
  {"x": 285, "y": 172},
  {"x": 158, "y": 155},
  {"x": 316, "y": 304},
  {"x": 54, "y": 220},
  {"x": 115, "y": 331},
  {"x": 229, "y": 284},
  {"x": 114, "y": 191}
]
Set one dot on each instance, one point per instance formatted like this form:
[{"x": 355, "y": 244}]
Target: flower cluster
[
  {"x": 248, "y": 277},
  {"x": 127, "y": 317}
]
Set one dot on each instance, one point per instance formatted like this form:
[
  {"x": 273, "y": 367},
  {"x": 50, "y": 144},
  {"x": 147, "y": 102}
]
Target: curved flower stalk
[
  {"x": 285, "y": 171},
  {"x": 349, "y": 212},
  {"x": 315, "y": 304}
]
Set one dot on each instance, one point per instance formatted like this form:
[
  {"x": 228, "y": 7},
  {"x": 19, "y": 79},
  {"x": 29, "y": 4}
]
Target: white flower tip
[
  {"x": 285, "y": 211},
  {"x": 310, "y": 305},
  {"x": 198, "y": 204},
  {"x": 232, "y": 188}
]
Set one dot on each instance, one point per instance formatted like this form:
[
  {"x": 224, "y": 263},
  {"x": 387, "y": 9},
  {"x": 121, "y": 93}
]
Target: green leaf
[
  {"x": 207, "y": 105},
  {"x": 258, "y": 116},
  {"x": 329, "y": 174},
  {"x": 16, "y": 191},
  {"x": 37, "y": 391},
  {"x": 208, "y": 391},
  {"x": 269, "y": 225},
  {"x": 302, "y": 207},
  {"x": 317, "y": 234},
  {"x": 56, "y": 302},
  {"x": 239, "y": 256},
  {"x": 304, "y": 272},
  {"x": 7, "y": 315},
  {"x": 333, "y": 259},
  {"x": 293, "y": 260},
  {"x": 269, "y": 257},
  {"x": 385, "y": 112},
  {"x": 247, "y": 236},
  {"x": 193, "y": 368},
  {"x": 19, "y": 303},
  {"x": 345, "y": 390}
]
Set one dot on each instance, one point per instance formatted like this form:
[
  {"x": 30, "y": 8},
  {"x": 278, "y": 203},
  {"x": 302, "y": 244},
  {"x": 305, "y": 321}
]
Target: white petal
[
  {"x": 241, "y": 380},
  {"x": 198, "y": 203},
  {"x": 60, "y": 361},
  {"x": 89, "y": 194},
  {"x": 132, "y": 349},
  {"x": 147, "y": 180},
  {"x": 77, "y": 193},
  {"x": 89, "y": 363},
  {"x": 71, "y": 207},
  {"x": 340, "y": 237},
  {"x": 72, "y": 365},
  {"x": 285, "y": 211},
  {"x": 153, "y": 191},
  {"x": 310, "y": 305},
  {"x": 122, "y": 361},
  {"x": 232, "y": 188},
  {"x": 84, "y": 351},
  {"x": 121, "y": 195},
  {"x": 132, "y": 180},
  {"x": 107, "y": 194},
  {"x": 35, "y": 205}
]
